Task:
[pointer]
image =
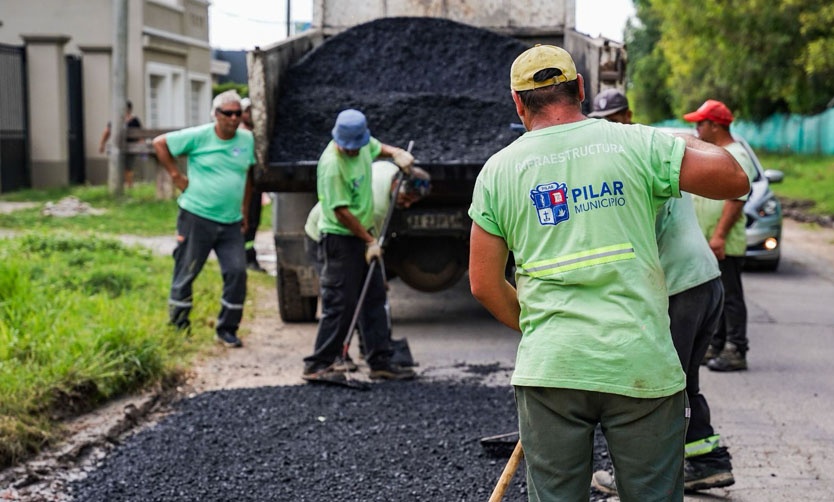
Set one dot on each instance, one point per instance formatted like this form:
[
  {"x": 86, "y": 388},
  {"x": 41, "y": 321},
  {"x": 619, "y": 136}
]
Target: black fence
[{"x": 14, "y": 143}]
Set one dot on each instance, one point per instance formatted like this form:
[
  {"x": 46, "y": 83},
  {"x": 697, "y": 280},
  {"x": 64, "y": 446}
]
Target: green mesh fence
[{"x": 783, "y": 133}]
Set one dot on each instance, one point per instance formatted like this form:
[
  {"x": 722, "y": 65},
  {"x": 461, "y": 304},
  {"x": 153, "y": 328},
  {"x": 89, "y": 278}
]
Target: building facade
[{"x": 67, "y": 47}]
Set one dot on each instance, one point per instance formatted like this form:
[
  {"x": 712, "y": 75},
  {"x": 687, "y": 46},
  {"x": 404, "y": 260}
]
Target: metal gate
[
  {"x": 14, "y": 137},
  {"x": 75, "y": 131}
]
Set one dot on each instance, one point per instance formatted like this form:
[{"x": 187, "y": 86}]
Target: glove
[
  {"x": 404, "y": 160},
  {"x": 373, "y": 252}
]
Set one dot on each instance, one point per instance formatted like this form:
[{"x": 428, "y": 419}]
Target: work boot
[
  {"x": 390, "y": 371},
  {"x": 229, "y": 339},
  {"x": 252, "y": 261},
  {"x": 603, "y": 481},
  {"x": 712, "y": 470},
  {"x": 730, "y": 359},
  {"x": 711, "y": 354}
]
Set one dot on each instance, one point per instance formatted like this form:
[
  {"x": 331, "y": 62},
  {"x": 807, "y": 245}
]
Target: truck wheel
[{"x": 291, "y": 305}]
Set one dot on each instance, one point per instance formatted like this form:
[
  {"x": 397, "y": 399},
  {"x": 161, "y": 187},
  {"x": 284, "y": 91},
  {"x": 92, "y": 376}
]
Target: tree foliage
[{"x": 758, "y": 56}]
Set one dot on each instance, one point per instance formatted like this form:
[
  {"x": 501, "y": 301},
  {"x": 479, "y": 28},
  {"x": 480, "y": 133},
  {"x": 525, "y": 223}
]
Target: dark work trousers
[
  {"x": 342, "y": 278},
  {"x": 197, "y": 237},
  {"x": 694, "y": 316},
  {"x": 253, "y": 217},
  {"x": 733, "y": 325}
]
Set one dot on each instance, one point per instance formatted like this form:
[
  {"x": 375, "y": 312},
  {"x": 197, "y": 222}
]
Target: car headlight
[{"x": 769, "y": 207}]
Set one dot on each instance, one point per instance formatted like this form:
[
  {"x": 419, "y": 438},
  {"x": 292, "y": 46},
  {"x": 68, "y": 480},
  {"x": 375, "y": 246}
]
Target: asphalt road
[{"x": 777, "y": 418}]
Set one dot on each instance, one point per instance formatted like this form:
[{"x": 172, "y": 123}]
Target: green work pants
[{"x": 645, "y": 438}]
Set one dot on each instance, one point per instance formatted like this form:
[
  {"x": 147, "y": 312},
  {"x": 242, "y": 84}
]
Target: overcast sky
[{"x": 243, "y": 24}]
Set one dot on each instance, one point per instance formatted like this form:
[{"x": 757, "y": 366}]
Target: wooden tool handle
[{"x": 507, "y": 475}]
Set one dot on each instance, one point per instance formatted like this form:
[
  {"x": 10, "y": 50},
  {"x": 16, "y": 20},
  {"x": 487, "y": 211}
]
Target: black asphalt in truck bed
[
  {"x": 403, "y": 441},
  {"x": 443, "y": 84}
]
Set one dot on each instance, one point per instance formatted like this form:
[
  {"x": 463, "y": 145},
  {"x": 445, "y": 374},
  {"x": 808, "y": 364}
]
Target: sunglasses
[{"x": 230, "y": 113}]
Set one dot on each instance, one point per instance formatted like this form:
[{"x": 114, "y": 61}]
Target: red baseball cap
[{"x": 712, "y": 110}]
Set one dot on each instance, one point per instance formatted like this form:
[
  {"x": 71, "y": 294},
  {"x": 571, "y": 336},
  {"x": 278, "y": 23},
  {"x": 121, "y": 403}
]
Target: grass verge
[
  {"x": 83, "y": 317},
  {"x": 807, "y": 178},
  {"x": 83, "y": 320}
]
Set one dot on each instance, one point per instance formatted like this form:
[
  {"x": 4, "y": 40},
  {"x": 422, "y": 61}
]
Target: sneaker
[
  {"x": 603, "y": 481},
  {"x": 701, "y": 476},
  {"x": 392, "y": 372},
  {"x": 730, "y": 359},
  {"x": 229, "y": 339},
  {"x": 711, "y": 354},
  {"x": 346, "y": 364}
]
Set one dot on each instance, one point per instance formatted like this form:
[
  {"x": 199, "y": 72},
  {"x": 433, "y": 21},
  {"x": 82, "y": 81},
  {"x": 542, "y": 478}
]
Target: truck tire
[{"x": 291, "y": 305}]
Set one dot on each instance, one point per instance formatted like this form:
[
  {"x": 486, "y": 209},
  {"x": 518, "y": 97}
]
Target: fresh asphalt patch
[{"x": 417, "y": 440}]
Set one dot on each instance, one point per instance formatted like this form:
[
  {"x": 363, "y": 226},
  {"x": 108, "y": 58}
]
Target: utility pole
[
  {"x": 289, "y": 17},
  {"x": 118, "y": 84}
]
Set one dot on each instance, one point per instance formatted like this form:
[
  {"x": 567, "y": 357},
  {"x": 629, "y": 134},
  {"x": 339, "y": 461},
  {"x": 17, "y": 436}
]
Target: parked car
[{"x": 763, "y": 212}]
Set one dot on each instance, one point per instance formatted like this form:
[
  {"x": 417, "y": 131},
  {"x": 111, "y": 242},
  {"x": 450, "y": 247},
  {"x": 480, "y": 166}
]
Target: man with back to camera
[
  {"x": 348, "y": 246},
  {"x": 723, "y": 225},
  {"x": 212, "y": 212},
  {"x": 695, "y": 299},
  {"x": 575, "y": 201}
]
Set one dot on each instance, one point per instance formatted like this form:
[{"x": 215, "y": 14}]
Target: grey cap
[{"x": 609, "y": 102}]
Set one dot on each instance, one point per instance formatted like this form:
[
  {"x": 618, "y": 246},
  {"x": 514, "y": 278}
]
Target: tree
[{"x": 758, "y": 56}]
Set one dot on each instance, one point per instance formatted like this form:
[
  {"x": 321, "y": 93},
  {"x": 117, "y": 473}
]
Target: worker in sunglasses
[{"x": 215, "y": 192}]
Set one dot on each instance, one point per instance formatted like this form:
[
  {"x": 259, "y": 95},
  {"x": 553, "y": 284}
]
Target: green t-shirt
[
  {"x": 685, "y": 255},
  {"x": 216, "y": 171},
  {"x": 709, "y": 211},
  {"x": 382, "y": 173},
  {"x": 346, "y": 181},
  {"x": 576, "y": 204}
]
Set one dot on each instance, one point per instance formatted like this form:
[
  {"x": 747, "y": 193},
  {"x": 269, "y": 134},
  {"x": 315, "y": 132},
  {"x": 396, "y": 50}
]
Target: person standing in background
[
  {"x": 131, "y": 121},
  {"x": 255, "y": 204},
  {"x": 212, "y": 210},
  {"x": 723, "y": 224}
]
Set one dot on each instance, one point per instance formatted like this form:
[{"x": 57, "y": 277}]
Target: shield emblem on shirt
[{"x": 551, "y": 203}]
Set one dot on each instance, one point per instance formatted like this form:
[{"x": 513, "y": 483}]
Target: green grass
[
  {"x": 807, "y": 177},
  {"x": 83, "y": 317},
  {"x": 137, "y": 212}
]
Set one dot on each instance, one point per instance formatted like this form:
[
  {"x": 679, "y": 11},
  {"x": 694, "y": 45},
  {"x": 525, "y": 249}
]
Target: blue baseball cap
[{"x": 351, "y": 130}]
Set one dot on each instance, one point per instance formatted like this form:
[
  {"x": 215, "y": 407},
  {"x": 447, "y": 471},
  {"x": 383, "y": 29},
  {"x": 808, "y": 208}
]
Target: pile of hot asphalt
[
  {"x": 443, "y": 84},
  {"x": 404, "y": 441}
]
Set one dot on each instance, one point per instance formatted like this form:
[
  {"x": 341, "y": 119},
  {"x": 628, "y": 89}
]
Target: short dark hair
[
  {"x": 536, "y": 99},
  {"x": 129, "y": 105}
]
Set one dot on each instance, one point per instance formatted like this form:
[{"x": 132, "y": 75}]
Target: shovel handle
[{"x": 507, "y": 475}]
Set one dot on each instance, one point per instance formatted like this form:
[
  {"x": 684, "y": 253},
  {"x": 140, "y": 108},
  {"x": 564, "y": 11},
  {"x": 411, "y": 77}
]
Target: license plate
[{"x": 439, "y": 220}]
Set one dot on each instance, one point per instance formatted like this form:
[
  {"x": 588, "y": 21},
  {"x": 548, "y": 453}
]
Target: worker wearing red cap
[{"x": 723, "y": 225}]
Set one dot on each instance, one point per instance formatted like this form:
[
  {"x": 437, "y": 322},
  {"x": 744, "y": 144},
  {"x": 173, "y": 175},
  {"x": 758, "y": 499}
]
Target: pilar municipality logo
[{"x": 551, "y": 203}]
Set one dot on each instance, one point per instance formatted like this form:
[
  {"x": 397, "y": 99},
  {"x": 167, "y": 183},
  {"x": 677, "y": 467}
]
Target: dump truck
[{"x": 427, "y": 245}]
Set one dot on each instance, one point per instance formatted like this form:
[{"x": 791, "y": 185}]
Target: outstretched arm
[
  {"x": 487, "y": 261},
  {"x": 710, "y": 171}
]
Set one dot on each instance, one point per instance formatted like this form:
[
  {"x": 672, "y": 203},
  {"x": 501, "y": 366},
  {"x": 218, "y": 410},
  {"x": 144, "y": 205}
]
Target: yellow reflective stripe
[
  {"x": 573, "y": 261},
  {"x": 701, "y": 446}
]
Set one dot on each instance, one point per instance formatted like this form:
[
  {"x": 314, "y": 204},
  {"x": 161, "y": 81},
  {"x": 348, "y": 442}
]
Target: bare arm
[
  {"x": 350, "y": 222},
  {"x": 732, "y": 211},
  {"x": 163, "y": 155},
  {"x": 487, "y": 260},
  {"x": 104, "y": 137},
  {"x": 710, "y": 171}
]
